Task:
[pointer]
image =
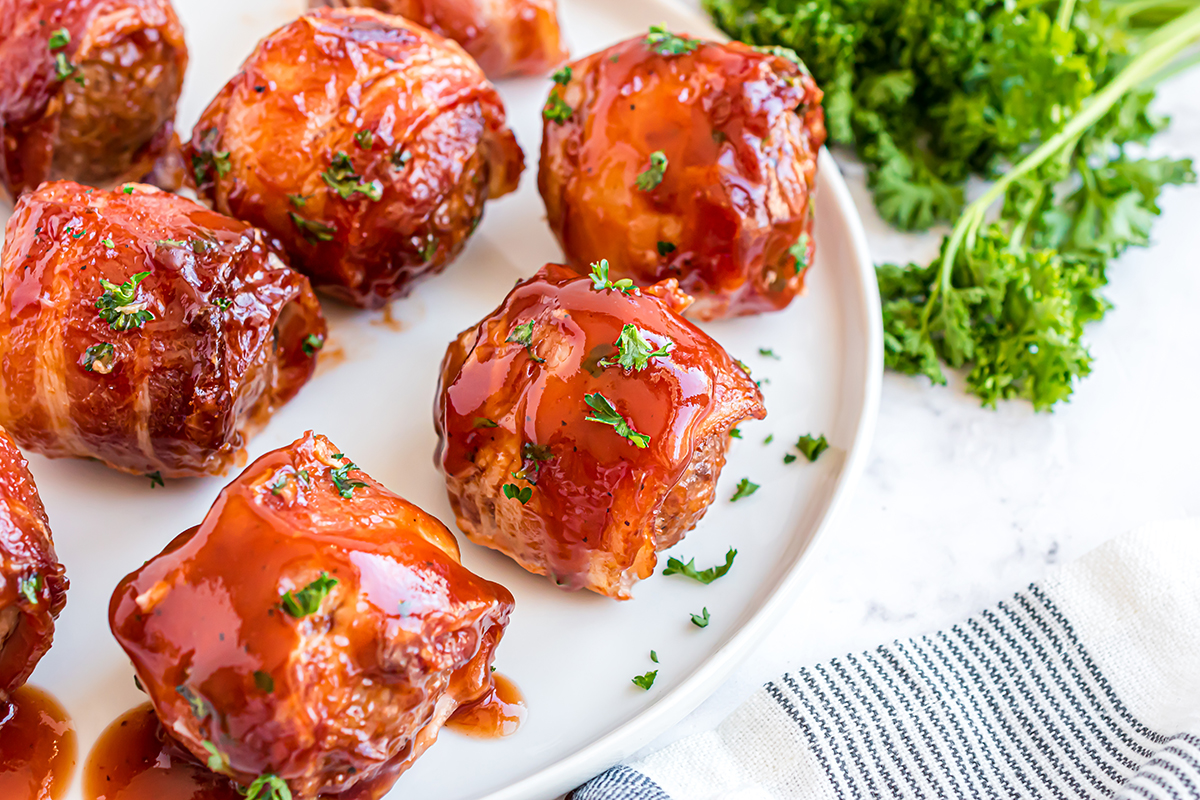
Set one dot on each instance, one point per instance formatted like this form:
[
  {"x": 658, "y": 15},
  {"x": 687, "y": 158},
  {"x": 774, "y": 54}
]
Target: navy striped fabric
[{"x": 1008, "y": 704}]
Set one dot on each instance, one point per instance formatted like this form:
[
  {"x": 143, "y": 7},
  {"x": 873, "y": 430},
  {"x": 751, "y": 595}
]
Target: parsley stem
[
  {"x": 1161, "y": 49},
  {"x": 1065, "y": 11}
]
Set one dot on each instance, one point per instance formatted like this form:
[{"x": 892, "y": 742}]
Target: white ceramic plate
[{"x": 572, "y": 654}]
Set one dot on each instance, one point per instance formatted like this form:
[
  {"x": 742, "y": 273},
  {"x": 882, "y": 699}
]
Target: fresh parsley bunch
[{"x": 1045, "y": 99}]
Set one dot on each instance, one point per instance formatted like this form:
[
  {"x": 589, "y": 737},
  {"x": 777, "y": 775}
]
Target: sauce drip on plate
[
  {"x": 37, "y": 747},
  {"x": 499, "y": 713}
]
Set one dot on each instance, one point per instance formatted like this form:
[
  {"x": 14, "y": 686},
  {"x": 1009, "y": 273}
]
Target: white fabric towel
[{"x": 1085, "y": 685}]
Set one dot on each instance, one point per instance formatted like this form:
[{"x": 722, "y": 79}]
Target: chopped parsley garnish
[
  {"x": 665, "y": 248},
  {"x": 745, "y": 488},
  {"x": 30, "y": 587},
  {"x": 812, "y": 448},
  {"x": 745, "y": 367},
  {"x": 430, "y": 249},
  {"x": 556, "y": 109},
  {"x": 645, "y": 681},
  {"x": 400, "y": 158},
  {"x": 701, "y": 620},
  {"x": 217, "y": 761},
  {"x": 208, "y": 158},
  {"x": 607, "y": 415},
  {"x": 59, "y": 39},
  {"x": 128, "y": 190},
  {"x": 307, "y": 600},
  {"x": 312, "y": 230},
  {"x": 341, "y": 479},
  {"x": 198, "y": 703},
  {"x": 706, "y": 576},
  {"x": 119, "y": 307},
  {"x": 298, "y": 200},
  {"x": 342, "y": 178},
  {"x": 264, "y": 681},
  {"x": 484, "y": 422},
  {"x": 156, "y": 479},
  {"x": 563, "y": 76},
  {"x": 171, "y": 243},
  {"x": 98, "y": 358},
  {"x": 654, "y": 656},
  {"x": 653, "y": 176},
  {"x": 789, "y": 458},
  {"x": 665, "y": 43},
  {"x": 279, "y": 485},
  {"x": 634, "y": 352},
  {"x": 770, "y": 438},
  {"x": 767, "y": 352},
  {"x": 267, "y": 787},
  {"x": 514, "y": 492},
  {"x": 64, "y": 69},
  {"x": 107, "y": 242},
  {"x": 365, "y": 139},
  {"x": 735, "y": 433},
  {"x": 600, "y": 279},
  {"x": 523, "y": 335},
  {"x": 222, "y": 303},
  {"x": 799, "y": 252},
  {"x": 313, "y": 343}
]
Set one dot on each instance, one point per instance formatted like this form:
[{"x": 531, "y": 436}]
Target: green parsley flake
[
  {"x": 563, "y": 76},
  {"x": 634, "y": 352},
  {"x": 119, "y": 307},
  {"x": 514, "y": 492},
  {"x": 607, "y": 415},
  {"x": 645, "y": 681},
  {"x": 484, "y": 422},
  {"x": 706, "y": 576},
  {"x": 59, "y": 39},
  {"x": 207, "y": 158},
  {"x": 279, "y": 485},
  {"x": 556, "y": 109},
  {"x": 341, "y": 479},
  {"x": 653, "y": 176},
  {"x": 222, "y": 302},
  {"x": 745, "y": 488},
  {"x": 267, "y": 787},
  {"x": 156, "y": 479},
  {"x": 99, "y": 358},
  {"x": 665, "y": 248},
  {"x": 365, "y": 139},
  {"x": 735, "y": 433},
  {"x": 789, "y": 458},
  {"x": 400, "y": 158},
  {"x": 264, "y": 681},
  {"x": 312, "y": 230},
  {"x": 701, "y": 620},
  {"x": 217, "y": 761},
  {"x": 107, "y": 242},
  {"x": 198, "y": 704},
  {"x": 600, "y": 279},
  {"x": 313, "y": 343},
  {"x": 64, "y": 69},
  {"x": 799, "y": 252},
  {"x": 654, "y": 656},
  {"x": 767, "y": 352},
  {"x": 665, "y": 43},
  {"x": 812, "y": 448},
  {"x": 342, "y": 178},
  {"x": 523, "y": 335},
  {"x": 30, "y": 587},
  {"x": 307, "y": 600}
]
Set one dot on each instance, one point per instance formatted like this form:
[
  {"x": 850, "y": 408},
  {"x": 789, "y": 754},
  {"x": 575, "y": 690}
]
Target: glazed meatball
[
  {"x": 144, "y": 330},
  {"x": 315, "y": 627},
  {"x": 33, "y": 585},
  {"x": 87, "y": 89},
  {"x": 677, "y": 158},
  {"x": 583, "y": 427},
  {"x": 367, "y": 144},
  {"x": 506, "y": 37}
]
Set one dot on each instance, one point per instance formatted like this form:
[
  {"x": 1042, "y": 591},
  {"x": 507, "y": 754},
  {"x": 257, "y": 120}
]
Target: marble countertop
[{"x": 961, "y": 506}]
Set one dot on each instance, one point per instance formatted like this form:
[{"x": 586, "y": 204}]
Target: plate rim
[{"x": 608, "y": 750}]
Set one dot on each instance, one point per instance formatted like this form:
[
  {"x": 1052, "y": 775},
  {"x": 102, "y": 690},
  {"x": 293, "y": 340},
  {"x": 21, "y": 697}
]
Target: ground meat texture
[
  {"x": 216, "y": 333},
  {"x": 529, "y": 474},
  {"x": 365, "y": 143},
  {"x": 33, "y": 585},
  {"x": 330, "y": 689},
  {"x": 88, "y": 90},
  {"x": 506, "y": 37},
  {"x": 696, "y": 164}
]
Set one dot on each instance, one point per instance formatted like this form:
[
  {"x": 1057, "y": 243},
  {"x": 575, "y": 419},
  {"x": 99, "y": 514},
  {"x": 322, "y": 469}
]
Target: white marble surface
[{"x": 961, "y": 506}]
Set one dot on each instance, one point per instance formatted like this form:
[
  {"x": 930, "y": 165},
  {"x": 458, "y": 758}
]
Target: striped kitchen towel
[{"x": 1085, "y": 685}]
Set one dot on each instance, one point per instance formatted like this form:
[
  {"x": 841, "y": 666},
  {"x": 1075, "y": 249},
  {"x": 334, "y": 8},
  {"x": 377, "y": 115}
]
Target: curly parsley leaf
[
  {"x": 207, "y": 158},
  {"x": 312, "y": 230},
  {"x": 307, "y": 600},
  {"x": 342, "y": 178},
  {"x": 556, "y": 109},
  {"x": 341, "y": 479},
  {"x": 701, "y": 620},
  {"x": 217, "y": 761},
  {"x": 600, "y": 281},
  {"x": 607, "y": 415},
  {"x": 99, "y": 358},
  {"x": 523, "y": 335},
  {"x": 645, "y": 681},
  {"x": 634, "y": 352},
  {"x": 264, "y": 681},
  {"x": 705, "y": 576},
  {"x": 514, "y": 492},
  {"x": 665, "y": 43},
  {"x": 745, "y": 488},
  {"x": 654, "y": 174},
  {"x": 30, "y": 586},
  {"x": 312, "y": 343},
  {"x": 799, "y": 252},
  {"x": 267, "y": 787},
  {"x": 563, "y": 76},
  {"x": 812, "y": 448},
  {"x": 119, "y": 306}
]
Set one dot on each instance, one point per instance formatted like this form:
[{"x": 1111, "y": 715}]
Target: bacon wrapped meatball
[
  {"x": 367, "y": 144},
  {"x": 583, "y": 426},
  {"x": 506, "y": 37},
  {"x": 315, "y": 628},
  {"x": 87, "y": 89},
  {"x": 33, "y": 585},
  {"x": 144, "y": 330},
  {"x": 677, "y": 158}
]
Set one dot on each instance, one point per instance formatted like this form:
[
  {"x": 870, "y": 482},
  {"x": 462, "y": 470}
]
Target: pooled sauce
[
  {"x": 499, "y": 713},
  {"x": 132, "y": 760},
  {"x": 37, "y": 747}
]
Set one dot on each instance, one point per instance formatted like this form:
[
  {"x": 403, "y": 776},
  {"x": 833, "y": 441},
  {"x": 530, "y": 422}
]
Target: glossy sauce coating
[
  {"x": 33, "y": 584},
  {"x": 105, "y": 111},
  {"x": 366, "y": 143},
  {"x": 506, "y": 37},
  {"x": 740, "y": 130},
  {"x": 37, "y": 747},
  {"x": 599, "y": 506},
  {"x": 228, "y": 342},
  {"x": 500, "y": 713},
  {"x": 349, "y": 694}
]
